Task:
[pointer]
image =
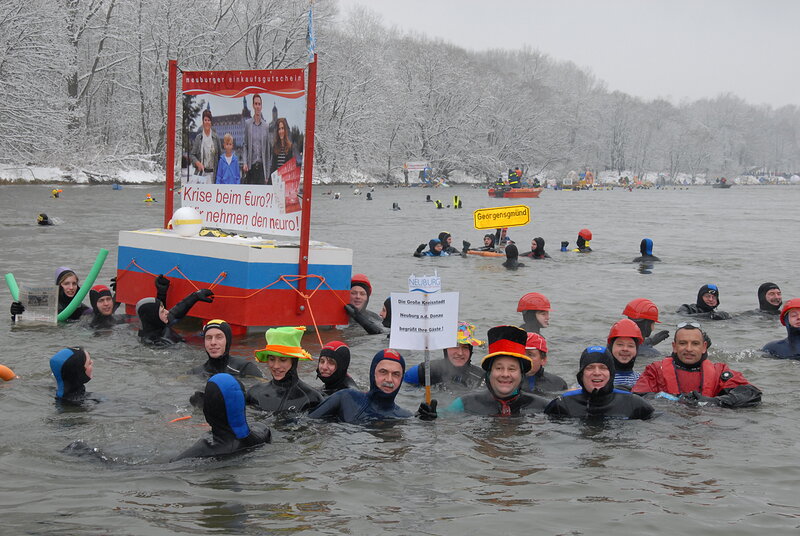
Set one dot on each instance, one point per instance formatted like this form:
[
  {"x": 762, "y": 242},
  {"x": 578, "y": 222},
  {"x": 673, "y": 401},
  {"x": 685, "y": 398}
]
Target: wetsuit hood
[
  {"x": 443, "y": 236},
  {"x": 225, "y": 328},
  {"x": 618, "y": 365},
  {"x": 512, "y": 257},
  {"x": 490, "y": 236},
  {"x": 97, "y": 292},
  {"x": 432, "y": 244},
  {"x": 645, "y": 326},
  {"x": 597, "y": 354},
  {"x": 147, "y": 309},
  {"x": 69, "y": 368},
  {"x": 707, "y": 289},
  {"x": 224, "y": 407},
  {"x": 374, "y": 392},
  {"x": 530, "y": 322},
  {"x": 581, "y": 242},
  {"x": 763, "y": 304},
  {"x": 646, "y": 247},
  {"x": 387, "y": 304},
  {"x": 539, "y": 253},
  {"x": 339, "y": 352}
]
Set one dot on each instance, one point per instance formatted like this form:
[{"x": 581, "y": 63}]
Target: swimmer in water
[
  {"x": 67, "y": 283},
  {"x": 624, "y": 341},
  {"x": 334, "y": 360},
  {"x": 584, "y": 237},
  {"x": 435, "y": 249},
  {"x": 537, "y": 380},
  {"x": 644, "y": 313},
  {"x": 454, "y": 370},
  {"x": 72, "y": 368},
  {"x": 597, "y": 396},
  {"x": 285, "y": 393},
  {"x": 788, "y": 348},
  {"x": 488, "y": 245},
  {"x": 770, "y": 299},
  {"x": 360, "y": 292},
  {"x": 689, "y": 376},
  {"x": 157, "y": 320},
  {"x": 377, "y": 404},
  {"x": 103, "y": 307},
  {"x": 43, "y": 219},
  {"x": 217, "y": 339},
  {"x": 447, "y": 243},
  {"x": 537, "y": 249},
  {"x": 224, "y": 410},
  {"x": 646, "y": 249},
  {"x": 512, "y": 258},
  {"x": 535, "y": 309},
  {"x": 505, "y": 367},
  {"x": 706, "y": 305}
]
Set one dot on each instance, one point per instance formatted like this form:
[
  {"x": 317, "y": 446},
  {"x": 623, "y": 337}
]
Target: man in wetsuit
[
  {"x": 788, "y": 348},
  {"x": 690, "y": 376},
  {"x": 769, "y": 299},
  {"x": 352, "y": 406},
  {"x": 646, "y": 249},
  {"x": 706, "y": 304},
  {"x": 217, "y": 339},
  {"x": 360, "y": 292},
  {"x": 537, "y": 380},
  {"x": 103, "y": 307},
  {"x": 454, "y": 369},
  {"x": 597, "y": 396}
]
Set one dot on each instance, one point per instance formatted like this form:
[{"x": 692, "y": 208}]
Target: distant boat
[
  {"x": 721, "y": 185},
  {"x": 514, "y": 192}
]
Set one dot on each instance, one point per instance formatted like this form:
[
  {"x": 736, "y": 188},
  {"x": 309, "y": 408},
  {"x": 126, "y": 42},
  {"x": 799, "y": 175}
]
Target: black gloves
[
  {"x": 428, "y": 412},
  {"x": 694, "y": 398},
  {"x": 197, "y": 399},
  {"x": 719, "y": 315},
  {"x": 162, "y": 284},
  {"x": 466, "y": 248},
  {"x": 351, "y": 311},
  {"x": 204, "y": 295},
  {"x": 418, "y": 252},
  {"x": 564, "y": 245},
  {"x": 113, "y": 285},
  {"x": 16, "y": 309},
  {"x": 656, "y": 338}
]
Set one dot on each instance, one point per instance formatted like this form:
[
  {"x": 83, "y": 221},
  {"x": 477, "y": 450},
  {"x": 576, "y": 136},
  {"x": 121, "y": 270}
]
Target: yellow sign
[{"x": 496, "y": 217}]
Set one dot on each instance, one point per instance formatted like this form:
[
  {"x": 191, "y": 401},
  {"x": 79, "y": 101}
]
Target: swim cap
[
  {"x": 362, "y": 281},
  {"x": 536, "y": 342},
  {"x": 625, "y": 328},
  {"x": 97, "y": 292},
  {"x": 597, "y": 354},
  {"x": 641, "y": 308},
  {"x": 794, "y": 303},
  {"x": 62, "y": 272},
  {"x": 533, "y": 301},
  {"x": 586, "y": 234}
]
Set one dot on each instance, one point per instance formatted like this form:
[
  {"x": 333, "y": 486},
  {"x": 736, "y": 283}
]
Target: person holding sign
[
  {"x": 286, "y": 392},
  {"x": 454, "y": 369},
  {"x": 67, "y": 283},
  {"x": 506, "y": 365},
  {"x": 597, "y": 396},
  {"x": 377, "y": 404}
]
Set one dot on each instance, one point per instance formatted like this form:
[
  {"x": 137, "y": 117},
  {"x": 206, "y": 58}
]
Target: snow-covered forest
[{"x": 83, "y": 84}]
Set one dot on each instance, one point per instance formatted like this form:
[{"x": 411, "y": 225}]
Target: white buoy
[{"x": 186, "y": 221}]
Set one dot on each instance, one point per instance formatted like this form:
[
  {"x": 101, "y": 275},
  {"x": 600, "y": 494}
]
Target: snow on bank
[{"x": 17, "y": 173}]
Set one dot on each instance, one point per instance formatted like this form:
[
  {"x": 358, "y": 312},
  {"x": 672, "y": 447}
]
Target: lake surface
[{"x": 708, "y": 471}]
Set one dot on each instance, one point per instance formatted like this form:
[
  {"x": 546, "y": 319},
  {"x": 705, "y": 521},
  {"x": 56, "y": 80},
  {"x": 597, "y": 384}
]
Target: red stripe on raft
[{"x": 266, "y": 308}]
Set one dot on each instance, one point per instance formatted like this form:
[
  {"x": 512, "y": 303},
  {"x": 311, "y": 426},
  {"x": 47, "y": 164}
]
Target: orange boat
[{"x": 514, "y": 192}]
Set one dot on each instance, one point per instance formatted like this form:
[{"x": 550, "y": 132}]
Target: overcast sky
[{"x": 677, "y": 49}]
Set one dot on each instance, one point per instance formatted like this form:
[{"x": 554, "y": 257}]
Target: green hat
[{"x": 284, "y": 342}]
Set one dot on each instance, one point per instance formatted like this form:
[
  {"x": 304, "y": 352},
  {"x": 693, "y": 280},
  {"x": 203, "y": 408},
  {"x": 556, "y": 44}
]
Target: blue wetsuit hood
[{"x": 68, "y": 366}]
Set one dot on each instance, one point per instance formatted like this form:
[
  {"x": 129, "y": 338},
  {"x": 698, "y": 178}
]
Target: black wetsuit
[
  {"x": 648, "y": 349},
  {"x": 154, "y": 331},
  {"x": 604, "y": 402},
  {"x": 582, "y": 247},
  {"x": 447, "y": 248},
  {"x": 99, "y": 320},
  {"x": 485, "y": 403},
  {"x": 512, "y": 258},
  {"x": 445, "y": 373},
  {"x": 339, "y": 380},
  {"x": 544, "y": 383},
  {"x": 700, "y": 308},
  {"x": 539, "y": 252},
  {"x": 236, "y": 365},
  {"x": 287, "y": 395},
  {"x": 64, "y": 301},
  {"x": 349, "y": 405},
  {"x": 371, "y": 322},
  {"x": 788, "y": 348},
  {"x": 224, "y": 409}
]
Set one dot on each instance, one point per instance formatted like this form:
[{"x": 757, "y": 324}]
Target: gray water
[{"x": 709, "y": 471}]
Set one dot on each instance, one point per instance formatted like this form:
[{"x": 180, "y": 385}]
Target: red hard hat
[
  {"x": 363, "y": 281},
  {"x": 536, "y": 342},
  {"x": 641, "y": 308},
  {"x": 586, "y": 234},
  {"x": 625, "y": 328},
  {"x": 794, "y": 303},
  {"x": 533, "y": 301}
]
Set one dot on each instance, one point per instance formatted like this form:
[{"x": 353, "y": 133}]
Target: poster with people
[{"x": 243, "y": 136}]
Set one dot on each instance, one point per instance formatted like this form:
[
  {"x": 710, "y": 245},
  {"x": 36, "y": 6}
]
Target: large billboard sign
[{"x": 243, "y": 137}]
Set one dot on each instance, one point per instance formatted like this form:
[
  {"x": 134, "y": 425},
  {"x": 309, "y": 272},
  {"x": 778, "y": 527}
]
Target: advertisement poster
[{"x": 243, "y": 136}]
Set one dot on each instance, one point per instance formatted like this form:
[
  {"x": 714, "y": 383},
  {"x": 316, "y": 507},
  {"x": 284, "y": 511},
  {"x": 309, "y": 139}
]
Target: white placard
[
  {"x": 41, "y": 304},
  {"x": 424, "y": 322},
  {"x": 427, "y": 284}
]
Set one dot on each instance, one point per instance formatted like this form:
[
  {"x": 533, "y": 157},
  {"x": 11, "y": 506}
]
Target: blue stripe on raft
[{"x": 240, "y": 274}]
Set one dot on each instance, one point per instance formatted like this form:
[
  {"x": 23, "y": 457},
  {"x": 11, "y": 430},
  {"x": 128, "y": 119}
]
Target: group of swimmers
[{"x": 511, "y": 379}]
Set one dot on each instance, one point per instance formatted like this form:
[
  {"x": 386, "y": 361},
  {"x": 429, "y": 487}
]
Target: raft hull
[
  {"x": 245, "y": 276},
  {"x": 515, "y": 192}
]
